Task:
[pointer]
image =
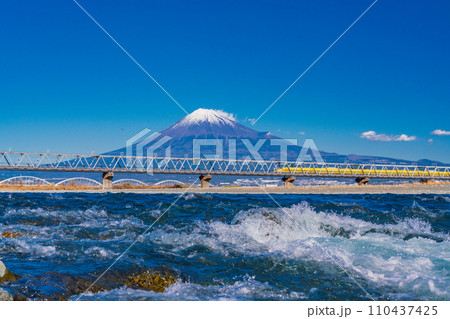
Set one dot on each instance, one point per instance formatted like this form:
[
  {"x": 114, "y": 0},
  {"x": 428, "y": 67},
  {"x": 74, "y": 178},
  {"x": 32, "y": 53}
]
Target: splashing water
[{"x": 234, "y": 247}]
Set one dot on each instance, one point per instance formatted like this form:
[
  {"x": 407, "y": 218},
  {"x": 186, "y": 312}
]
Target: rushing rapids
[{"x": 213, "y": 247}]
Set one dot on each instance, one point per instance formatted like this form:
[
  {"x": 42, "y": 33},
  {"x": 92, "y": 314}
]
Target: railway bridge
[{"x": 108, "y": 165}]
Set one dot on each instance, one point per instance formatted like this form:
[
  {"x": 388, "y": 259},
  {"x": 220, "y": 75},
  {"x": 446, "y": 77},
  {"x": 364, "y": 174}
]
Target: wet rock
[
  {"x": 5, "y": 274},
  {"x": 83, "y": 285},
  {"x": 155, "y": 281},
  {"x": 73, "y": 286},
  {"x": 5, "y": 296},
  {"x": 412, "y": 236},
  {"x": 11, "y": 234},
  {"x": 106, "y": 237},
  {"x": 19, "y": 297}
]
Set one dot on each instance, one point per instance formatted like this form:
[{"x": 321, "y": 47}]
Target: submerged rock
[
  {"x": 5, "y": 274},
  {"x": 11, "y": 234},
  {"x": 5, "y": 296},
  {"x": 69, "y": 286},
  {"x": 78, "y": 286},
  {"x": 19, "y": 297},
  {"x": 156, "y": 281}
]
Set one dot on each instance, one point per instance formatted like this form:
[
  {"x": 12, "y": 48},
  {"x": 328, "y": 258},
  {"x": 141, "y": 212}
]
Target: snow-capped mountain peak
[
  {"x": 216, "y": 117},
  {"x": 223, "y": 127}
]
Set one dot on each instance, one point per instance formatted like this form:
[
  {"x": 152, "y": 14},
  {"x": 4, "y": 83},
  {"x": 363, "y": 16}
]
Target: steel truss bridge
[{"x": 110, "y": 164}]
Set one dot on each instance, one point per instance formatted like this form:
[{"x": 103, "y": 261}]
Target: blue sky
[{"x": 66, "y": 87}]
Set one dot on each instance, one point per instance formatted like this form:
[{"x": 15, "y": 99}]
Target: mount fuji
[{"x": 219, "y": 125}]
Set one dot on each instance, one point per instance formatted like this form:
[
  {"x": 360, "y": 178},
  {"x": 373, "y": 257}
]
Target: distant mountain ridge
[{"x": 216, "y": 124}]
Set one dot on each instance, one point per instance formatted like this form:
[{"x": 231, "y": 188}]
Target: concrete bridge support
[
  {"x": 107, "y": 180},
  {"x": 362, "y": 180},
  {"x": 204, "y": 180},
  {"x": 288, "y": 181}
]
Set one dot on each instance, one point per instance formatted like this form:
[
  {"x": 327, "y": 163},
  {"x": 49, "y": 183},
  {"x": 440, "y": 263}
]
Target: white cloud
[
  {"x": 404, "y": 138},
  {"x": 430, "y": 140},
  {"x": 301, "y": 133},
  {"x": 440, "y": 132},
  {"x": 373, "y": 136}
]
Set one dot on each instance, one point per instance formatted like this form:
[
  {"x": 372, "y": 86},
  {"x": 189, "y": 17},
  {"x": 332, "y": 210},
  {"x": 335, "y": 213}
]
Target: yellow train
[{"x": 365, "y": 172}]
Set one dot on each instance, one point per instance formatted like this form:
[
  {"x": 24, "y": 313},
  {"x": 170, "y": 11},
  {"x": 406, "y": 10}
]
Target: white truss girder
[{"x": 21, "y": 161}]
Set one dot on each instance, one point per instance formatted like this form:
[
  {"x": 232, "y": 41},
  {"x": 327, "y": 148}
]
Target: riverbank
[{"x": 415, "y": 188}]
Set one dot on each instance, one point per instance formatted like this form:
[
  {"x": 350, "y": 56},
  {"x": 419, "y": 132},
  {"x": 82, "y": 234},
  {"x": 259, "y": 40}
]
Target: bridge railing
[{"x": 140, "y": 164}]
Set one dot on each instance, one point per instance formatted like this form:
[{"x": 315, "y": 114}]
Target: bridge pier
[
  {"x": 204, "y": 180},
  {"x": 288, "y": 181},
  {"x": 362, "y": 180},
  {"x": 107, "y": 180}
]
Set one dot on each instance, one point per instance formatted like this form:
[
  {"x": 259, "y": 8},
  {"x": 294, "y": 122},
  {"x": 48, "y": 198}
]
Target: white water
[
  {"x": 405, "y": 260},
  {"x": 376, "y": 253},
  {"x": 247, "y": 288}
]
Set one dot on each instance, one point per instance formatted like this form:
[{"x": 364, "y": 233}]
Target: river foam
[
  {"x": 408, "y": 255},
  {"x": 234, "y": 247}
]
